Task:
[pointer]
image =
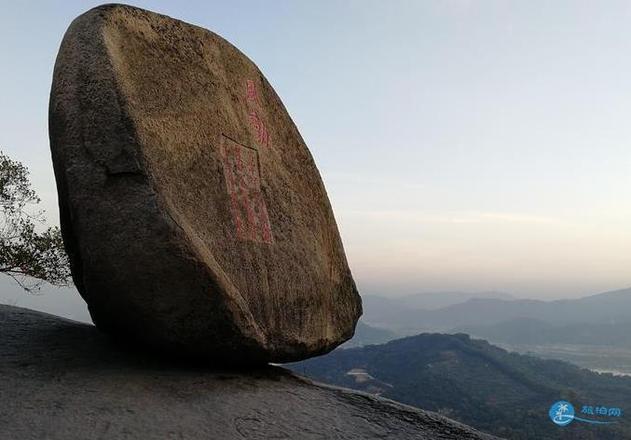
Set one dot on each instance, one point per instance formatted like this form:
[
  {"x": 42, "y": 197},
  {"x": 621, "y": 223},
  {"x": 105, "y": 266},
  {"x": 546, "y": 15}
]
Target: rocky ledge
[{"x": 62, "y": 379}]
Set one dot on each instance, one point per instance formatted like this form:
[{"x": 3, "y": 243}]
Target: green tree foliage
[{"x": 28, "y": 254}]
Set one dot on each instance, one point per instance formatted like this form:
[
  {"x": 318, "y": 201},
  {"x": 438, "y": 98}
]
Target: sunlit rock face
[{"x": 193, "y": 213}]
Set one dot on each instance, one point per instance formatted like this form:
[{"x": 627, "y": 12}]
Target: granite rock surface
[
  {"x": 63, "y": 380},
  {"x": 193, "y": 213}
]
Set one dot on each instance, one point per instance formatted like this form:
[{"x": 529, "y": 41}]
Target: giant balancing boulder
[{"x": 192, "y": 211}]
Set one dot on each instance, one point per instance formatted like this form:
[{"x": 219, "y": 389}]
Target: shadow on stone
[{"x": 65, "y": 380}]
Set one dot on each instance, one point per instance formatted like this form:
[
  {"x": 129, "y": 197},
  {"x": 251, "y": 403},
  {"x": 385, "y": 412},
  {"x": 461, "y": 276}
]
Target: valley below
[{"x": 496, "y": 363}]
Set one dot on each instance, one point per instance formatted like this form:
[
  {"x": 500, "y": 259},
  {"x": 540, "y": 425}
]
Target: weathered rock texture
[
  {"x": 61, "y": 380},
  {"x": 192, "y": 211}
]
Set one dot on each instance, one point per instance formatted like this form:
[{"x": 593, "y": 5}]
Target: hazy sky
[{"x": 465, "y": 145}]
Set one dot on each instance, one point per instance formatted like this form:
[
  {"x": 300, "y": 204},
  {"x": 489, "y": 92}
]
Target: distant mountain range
[
  {"x": 437, "y": 300},
  {"x": 399, "y": 314},
  {"x": 503, "y": 393},
  {"x": 527, "y": 331},
  {"x": 367, "y": 335}
]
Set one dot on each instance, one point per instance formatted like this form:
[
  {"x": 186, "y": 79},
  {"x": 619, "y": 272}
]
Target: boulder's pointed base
[{"x": 65, "y": 380}]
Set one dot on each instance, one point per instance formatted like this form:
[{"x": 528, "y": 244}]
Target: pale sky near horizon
[{"x": 465, "y": 145}]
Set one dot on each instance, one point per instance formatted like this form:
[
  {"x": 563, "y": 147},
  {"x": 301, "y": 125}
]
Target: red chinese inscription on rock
[
  {"x": 256, "y": 123},
  {"x": 250, "y": 91},
  {"x": 260, "y": 130},
  {"x": 243, "y": 183}
]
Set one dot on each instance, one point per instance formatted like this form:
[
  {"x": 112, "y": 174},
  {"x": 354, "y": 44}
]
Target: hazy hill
[
  {"x": 610, "y": 307},
  {"x": 402, "y": 312},
  {"x": 526, "y": 331},
  {"x": 479, "y": 384},
  {"x": 437, "y": 300},
  {"x": 368, "y": 335}
]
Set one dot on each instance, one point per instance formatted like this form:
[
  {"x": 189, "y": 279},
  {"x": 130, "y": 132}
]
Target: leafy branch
[{"x": 26, "y": 255}]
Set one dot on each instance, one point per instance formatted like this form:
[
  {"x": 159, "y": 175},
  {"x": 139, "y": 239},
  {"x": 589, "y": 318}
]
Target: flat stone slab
[
  {"x": 62, "y": 380},
  {"x": 193, "y": 213}
]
